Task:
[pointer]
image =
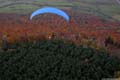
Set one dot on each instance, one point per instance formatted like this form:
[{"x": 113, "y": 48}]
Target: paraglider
[{"x": 50, "y": 10}]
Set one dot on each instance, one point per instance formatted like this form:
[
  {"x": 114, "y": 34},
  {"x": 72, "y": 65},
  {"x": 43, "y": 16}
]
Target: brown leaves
[{"x": 52, "y": 26}]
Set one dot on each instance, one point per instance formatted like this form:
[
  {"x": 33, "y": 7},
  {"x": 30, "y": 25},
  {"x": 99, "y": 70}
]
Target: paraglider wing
[{"x": 50, "y": 10}]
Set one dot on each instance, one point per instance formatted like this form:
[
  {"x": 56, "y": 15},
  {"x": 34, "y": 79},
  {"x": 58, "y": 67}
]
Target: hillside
[
  {"x": 87, "y": 47},
  {"x": 104, "y": 8},
  {"x": 90, "y": 19},
  {"x": 49, "y": 26}
]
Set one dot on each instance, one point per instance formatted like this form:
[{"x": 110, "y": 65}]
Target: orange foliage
[{"x": 81, "y": 26}]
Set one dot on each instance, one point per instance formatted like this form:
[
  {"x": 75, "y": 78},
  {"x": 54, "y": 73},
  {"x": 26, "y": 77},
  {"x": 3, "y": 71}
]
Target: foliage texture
[{"x": 55, "y": 60}]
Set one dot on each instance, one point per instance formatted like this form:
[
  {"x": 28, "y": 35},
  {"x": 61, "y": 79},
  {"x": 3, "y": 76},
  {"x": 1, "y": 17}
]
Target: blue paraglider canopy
[{"x": 50, "y": 10}]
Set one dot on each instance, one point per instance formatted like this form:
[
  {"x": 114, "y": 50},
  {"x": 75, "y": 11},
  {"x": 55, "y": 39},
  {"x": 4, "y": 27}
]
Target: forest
[
  {"x": 56, "y": 60},
  {"x": 87, "y": 47}
]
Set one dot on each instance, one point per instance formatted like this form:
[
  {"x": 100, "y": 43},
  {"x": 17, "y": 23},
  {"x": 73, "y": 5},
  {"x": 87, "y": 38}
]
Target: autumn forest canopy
[{"x": 77, "y": 40}]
